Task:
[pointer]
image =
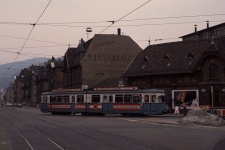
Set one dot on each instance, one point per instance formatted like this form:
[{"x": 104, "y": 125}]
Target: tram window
[
  {"x": 146, "y": 98},
  {"x": 65, "y": 99},
  {"x": 110, "y": 99},
  {"x": 80, "y": 98},
  {"x": 105, "y": 99},
  {"x": 119, "y": 99},
  {"x": 137, "y": 98},
  {"x": 52, "y": 99},
  {"x": 161, "y": 98},
  {"x": 58, "y": 99},
  {"x": 44, "y": 99},
  {"x": 73, "y": 99},
  {"x": 128, "y": 98},
  {"x": 95, "y": 98},
  {"x": 153, "y": 98}
]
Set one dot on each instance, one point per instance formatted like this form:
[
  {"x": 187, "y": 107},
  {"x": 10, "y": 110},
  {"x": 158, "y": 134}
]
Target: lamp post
[{"x": 52, "y": 81}]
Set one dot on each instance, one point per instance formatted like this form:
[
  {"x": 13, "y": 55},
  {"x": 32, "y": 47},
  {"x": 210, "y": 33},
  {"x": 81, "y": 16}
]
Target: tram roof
[{"x": 103, "y": 91}]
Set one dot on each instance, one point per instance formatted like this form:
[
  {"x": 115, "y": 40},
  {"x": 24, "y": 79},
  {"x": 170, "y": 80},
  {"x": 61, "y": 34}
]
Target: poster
[{"x": 185, "y": 97}]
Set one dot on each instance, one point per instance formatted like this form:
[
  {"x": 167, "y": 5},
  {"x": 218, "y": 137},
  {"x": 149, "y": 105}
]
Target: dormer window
[
  {"x": 190, "y": 55},
  {"x": 166, "y": 57},
  {"x": 168, "y": 65},
  {"x": 146, "y": 58}
]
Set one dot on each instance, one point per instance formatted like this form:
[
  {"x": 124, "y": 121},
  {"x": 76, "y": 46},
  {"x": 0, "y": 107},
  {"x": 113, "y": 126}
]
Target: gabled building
[
  {"x": 102, "y": 57},
  {"x": 207, "y": 33},
  {"x": 196, "y": 66}
]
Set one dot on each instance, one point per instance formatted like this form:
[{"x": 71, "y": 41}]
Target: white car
[{"x": 8, "y": 104}]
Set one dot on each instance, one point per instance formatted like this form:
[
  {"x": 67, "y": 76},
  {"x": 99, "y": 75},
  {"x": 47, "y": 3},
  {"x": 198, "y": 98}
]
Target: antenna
[{"x": 149, "y": 41}]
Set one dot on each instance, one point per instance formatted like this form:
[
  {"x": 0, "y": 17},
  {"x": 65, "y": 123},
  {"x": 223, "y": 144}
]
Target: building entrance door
[{"x": 214, "y": 96}]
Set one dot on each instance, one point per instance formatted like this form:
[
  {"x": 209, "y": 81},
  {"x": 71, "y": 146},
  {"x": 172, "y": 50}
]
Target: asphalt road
[{"x": 29, "y": 129}]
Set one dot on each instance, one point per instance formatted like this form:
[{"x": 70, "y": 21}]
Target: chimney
[
  {"x": 207, "y": 24},
  {"x": 195, "y": 28},
  {"x": 119, "y": 31}
]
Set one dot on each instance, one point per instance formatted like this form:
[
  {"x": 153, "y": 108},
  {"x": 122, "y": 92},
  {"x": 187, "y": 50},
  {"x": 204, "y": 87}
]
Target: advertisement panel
[{"x": 187, "y": 98}]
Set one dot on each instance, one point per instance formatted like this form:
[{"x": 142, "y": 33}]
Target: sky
[{"x": 60, "y": 24}]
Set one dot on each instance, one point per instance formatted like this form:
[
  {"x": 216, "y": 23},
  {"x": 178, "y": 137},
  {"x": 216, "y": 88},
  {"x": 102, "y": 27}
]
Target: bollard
[{"x": 184, "y": 110}]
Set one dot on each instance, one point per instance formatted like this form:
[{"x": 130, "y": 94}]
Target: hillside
[{"x": 15, "y": 70}]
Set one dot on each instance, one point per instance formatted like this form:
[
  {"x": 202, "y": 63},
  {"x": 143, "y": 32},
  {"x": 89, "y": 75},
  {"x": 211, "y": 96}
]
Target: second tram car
[{"x": 125, "y": 100}]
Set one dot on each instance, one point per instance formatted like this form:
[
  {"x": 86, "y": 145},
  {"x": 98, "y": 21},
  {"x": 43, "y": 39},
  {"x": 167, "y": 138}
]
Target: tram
[{"x": 121, "y": 100}]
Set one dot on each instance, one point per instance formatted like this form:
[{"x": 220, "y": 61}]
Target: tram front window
[
  {"x": 161, "y": 98},
  {"x": 44, "y": 99}
]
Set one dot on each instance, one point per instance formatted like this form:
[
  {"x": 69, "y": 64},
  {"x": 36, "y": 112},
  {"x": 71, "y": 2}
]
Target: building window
[
  {"x": 206, "y": 36},
  {"x": 213, "y": 71}
]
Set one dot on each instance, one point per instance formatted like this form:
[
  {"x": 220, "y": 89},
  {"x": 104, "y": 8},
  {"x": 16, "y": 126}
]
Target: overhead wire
[
  {"x": 33, "y": 25},
  {"x": 169, "y": 23},
  {"x": 36, "y": 46},
  {"x": 113, "y": 22},
  {"x": 31, "y": 39},
  {"x": 136, "y": 19}
]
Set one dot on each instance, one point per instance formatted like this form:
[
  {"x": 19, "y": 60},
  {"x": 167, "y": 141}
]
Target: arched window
[{"x": 213, "y": 71}]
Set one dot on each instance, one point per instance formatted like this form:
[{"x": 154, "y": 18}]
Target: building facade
[
  {"x": 100, "y": 58},
  {"x": 196, "y": 66}
]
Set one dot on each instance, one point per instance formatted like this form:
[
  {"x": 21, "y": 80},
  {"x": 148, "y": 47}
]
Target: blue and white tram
[{"x": 125, "y": 100}]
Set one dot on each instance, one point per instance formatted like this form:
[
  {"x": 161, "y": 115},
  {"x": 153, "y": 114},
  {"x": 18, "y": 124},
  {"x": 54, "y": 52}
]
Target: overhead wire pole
[
  {"x": 113, "y": 22},
  {"x": 33, "y": 25}
]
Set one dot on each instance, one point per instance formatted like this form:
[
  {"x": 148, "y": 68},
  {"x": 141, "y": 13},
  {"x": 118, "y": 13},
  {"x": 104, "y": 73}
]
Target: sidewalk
[{"x": 173, "y": 119}]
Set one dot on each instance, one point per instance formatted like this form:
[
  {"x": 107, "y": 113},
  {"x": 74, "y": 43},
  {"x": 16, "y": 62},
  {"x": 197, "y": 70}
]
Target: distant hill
[{"x": 15, "y": 69}]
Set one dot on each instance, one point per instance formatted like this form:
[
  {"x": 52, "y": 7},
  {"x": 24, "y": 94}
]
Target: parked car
[
  {"x": 8, "y": 104},
  {"x": 18, "y": 105}
]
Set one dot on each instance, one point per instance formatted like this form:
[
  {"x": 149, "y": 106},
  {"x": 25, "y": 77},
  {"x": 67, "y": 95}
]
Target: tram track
[
  {"x": 79, "y": 132},
  {"x": 97, "y": 136},
  {"x": 28, "y": 140}
]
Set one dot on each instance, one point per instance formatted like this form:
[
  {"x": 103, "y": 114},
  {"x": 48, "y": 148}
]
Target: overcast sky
[{"x": 64, "y": 23}]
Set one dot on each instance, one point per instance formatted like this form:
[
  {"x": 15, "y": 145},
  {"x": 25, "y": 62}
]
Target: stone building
[
  {"x": 34, "y": 80},
  {"x": 47, "y": 78},
  {"x": 104, "y": 56},
  {"x": 197, "y": 66}
]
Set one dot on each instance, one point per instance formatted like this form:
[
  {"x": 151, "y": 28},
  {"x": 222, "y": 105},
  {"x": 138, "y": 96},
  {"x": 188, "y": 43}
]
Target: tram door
[
  {"x": 146, "y": 104},
  {"x": 107, "y": 103}
]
